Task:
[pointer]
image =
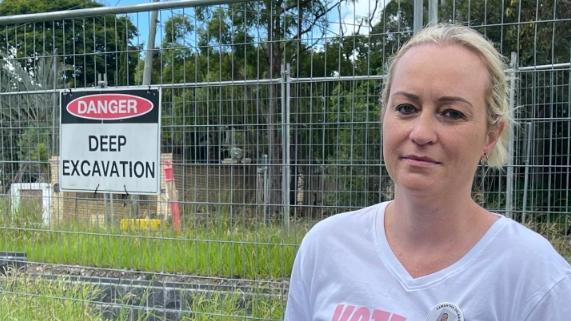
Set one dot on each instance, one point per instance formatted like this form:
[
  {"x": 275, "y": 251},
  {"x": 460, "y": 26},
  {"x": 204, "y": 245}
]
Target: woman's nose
[{"x": 423, "y": 131}]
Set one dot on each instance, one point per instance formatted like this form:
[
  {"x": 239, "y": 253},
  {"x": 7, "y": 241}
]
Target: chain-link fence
[{"x": 269, "y": 122}]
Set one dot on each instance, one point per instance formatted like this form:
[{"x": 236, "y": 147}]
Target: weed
[{"x": 28, "y": 299}]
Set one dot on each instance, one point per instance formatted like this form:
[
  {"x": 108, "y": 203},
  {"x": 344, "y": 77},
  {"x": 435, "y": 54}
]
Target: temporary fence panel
[{"x": 270, "y": 121}]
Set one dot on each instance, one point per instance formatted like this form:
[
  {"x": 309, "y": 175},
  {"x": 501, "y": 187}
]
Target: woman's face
[{"x": 434, "y": 125}]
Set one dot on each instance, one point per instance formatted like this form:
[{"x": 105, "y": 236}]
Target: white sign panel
[{"x": 110, "y": 141}]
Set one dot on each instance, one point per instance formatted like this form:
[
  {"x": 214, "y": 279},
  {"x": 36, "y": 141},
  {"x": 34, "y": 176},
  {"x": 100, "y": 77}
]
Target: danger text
[{"x": 112, "y": 106}]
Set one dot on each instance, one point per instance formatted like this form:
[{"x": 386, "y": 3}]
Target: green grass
[
  {"x": 235, "y": 306},
  {"x": 26, "y": 299},
  {"x": 23, "y": 298},
  {"x": 216, "y": 247},
  {"x": 239, "y": 254},
  {"x": 219, "y": 248}
]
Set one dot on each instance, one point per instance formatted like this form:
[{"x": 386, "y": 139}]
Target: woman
[{"x": 432, "y": 249}]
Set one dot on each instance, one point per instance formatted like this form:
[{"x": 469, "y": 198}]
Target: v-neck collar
[{"x": 390, "y": 260}]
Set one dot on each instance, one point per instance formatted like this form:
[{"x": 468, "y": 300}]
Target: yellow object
[{"x": 139, "y": 224}]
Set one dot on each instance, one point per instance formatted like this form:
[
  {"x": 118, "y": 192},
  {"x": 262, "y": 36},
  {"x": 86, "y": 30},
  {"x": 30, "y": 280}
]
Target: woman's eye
[
  {"x": 453, "y": 114},
  {"x": 406, "y": 109}
]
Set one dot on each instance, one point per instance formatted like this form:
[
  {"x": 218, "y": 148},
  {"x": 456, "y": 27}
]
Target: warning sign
[{"x": 110, "y": 141}]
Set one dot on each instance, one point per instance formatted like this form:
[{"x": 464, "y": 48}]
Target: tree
[
  {"x": 536, "y": 43},
  {"x": 286, "y": 22},
  {"x": 253, "y": 40},
  {"x": 53, "y": 55},
  {"x": 92, "y": 46},
  {"x": 27, "y": 120},
  {"x": 230, "y": 47},
  {"x": 538, "y": 33}
]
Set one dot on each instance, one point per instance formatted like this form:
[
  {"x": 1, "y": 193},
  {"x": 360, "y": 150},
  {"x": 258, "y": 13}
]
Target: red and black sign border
[
  {"x": 152, "y": 94},
  {"x": 154, "y": 116}
]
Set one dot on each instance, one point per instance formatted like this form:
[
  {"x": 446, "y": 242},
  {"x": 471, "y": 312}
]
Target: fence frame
[{"x": 286, "y": 123}]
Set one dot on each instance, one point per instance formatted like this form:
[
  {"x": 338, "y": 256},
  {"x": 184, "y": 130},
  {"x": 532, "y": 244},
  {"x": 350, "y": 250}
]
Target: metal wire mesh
[{"x": 270, "y": 118}]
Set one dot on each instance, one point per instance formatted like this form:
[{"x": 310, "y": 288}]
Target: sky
[
  {"x": 114, "y": 3},
  {"x": 361, "y": 6},
  {"x": 353, "y": 11},
  {"x": 143, "y": 26},
  {"x": 357, "y": 11}
]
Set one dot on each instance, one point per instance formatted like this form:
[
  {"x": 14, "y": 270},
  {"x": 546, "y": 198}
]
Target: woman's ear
[{"x": 493, "y": 135}]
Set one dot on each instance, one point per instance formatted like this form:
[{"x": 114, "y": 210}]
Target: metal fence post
[
  {"x": 285, "y": 92},
  {"x": 526, "y": 175},
  {"x": 147, "y": 73},
  {"x": 107, "y": 197},
  {"x": 220, "y": 77},
  {"x": 417, "y": 16},
  {"x": 265, "y": 187},
  {"x": 510, "y": 170},
  {"x": 150, "y": 47},
  {"x": 432, "y": 12}
]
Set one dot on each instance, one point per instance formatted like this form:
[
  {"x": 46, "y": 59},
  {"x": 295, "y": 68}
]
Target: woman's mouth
[{"x": 420, "y": 160}]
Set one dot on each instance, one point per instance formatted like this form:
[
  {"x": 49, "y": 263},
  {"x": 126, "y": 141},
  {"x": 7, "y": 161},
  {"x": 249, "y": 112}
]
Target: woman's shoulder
[
  {"x": 345, "y": 221},
  {"x": 526, "y": 245},
  {"x": 539, "y": 273},
  {"x": 524, "y": 237},
  {"x": 344, "y": 225}
]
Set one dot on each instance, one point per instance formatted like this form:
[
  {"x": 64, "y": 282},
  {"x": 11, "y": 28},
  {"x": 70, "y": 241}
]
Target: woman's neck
[
  {"x": 429, "y": 234},
  {"x": 434, "y": 220}
]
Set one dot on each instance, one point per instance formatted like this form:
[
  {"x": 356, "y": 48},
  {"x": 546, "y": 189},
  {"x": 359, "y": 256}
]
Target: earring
[{"x": 484, "y": 159}]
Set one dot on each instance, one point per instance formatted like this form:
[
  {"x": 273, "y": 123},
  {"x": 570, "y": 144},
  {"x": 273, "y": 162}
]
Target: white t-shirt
[{"x": 346, "y": 271}]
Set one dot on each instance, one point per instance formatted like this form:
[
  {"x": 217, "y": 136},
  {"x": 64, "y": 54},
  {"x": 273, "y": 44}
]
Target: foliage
[
  {"x": 28, "y": 298},
  {"x": 89, "y": 45},
  {"x": 27, "y": 119},
  {"x": 354, "y": 144},
  {"x": 522, "y": 27},
  {"x": 236, "y": 306},
  {"x": 230, "y": 43},
  {"x": 219, "y": 248},
  {"x": 52, "y": 55},
  {"x": 230, "y": 48}
]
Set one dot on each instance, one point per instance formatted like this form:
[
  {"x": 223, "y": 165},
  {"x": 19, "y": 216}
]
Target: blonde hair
[{"x": 497, "y": 107}]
